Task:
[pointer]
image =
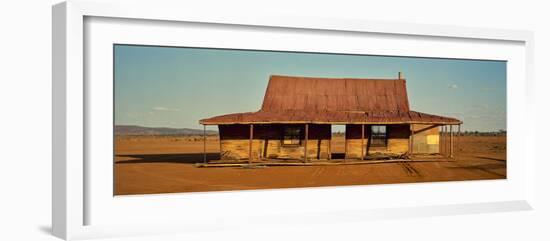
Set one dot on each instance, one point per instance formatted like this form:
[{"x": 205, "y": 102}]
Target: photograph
[{"x": 191, "y": 119}]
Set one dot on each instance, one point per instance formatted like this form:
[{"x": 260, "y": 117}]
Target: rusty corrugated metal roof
[
  {"x": 290, "y": 99},
  {"x": 335, "y": 94},
  {"x": 329, "y": 117}
]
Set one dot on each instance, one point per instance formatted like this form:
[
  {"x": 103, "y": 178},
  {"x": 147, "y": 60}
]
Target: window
[
  {"x": 292, "y": 136},
  {"x": 378, "y": 136}
]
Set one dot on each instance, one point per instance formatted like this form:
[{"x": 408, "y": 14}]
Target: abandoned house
[{"x": 296, "y": 117}]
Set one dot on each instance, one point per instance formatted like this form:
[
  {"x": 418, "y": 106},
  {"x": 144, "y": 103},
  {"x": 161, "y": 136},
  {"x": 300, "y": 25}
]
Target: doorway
[{"x": 338, "y": 141}]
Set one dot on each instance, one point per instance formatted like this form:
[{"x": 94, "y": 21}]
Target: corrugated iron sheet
[
  {"x": 335, "y": 94},
  {"x": 290, "y": 99},
  {"x": 329, "y": 117}
]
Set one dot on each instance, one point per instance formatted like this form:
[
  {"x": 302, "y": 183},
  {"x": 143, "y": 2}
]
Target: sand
[{"x": 164, "y": 164}]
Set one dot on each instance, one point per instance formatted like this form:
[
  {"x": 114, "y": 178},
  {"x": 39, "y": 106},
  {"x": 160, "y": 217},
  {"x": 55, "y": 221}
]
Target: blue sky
[{"x": 175, "y": 87}]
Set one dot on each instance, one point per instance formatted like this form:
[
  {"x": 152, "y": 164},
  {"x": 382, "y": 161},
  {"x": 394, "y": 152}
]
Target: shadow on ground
[
  {"x": 487, "y": 168},
  {"x": 491, "y": 158},
  {"x": 184, "y": 158}
]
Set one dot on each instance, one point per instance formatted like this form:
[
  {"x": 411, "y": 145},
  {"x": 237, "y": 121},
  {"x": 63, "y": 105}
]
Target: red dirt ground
[{"x": 164, "y": 164}]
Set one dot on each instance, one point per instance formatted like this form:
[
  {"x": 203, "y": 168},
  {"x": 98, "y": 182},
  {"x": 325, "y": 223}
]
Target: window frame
[
  {"x": 293, "y": 137},
  {"x": 378, "y": 135}
]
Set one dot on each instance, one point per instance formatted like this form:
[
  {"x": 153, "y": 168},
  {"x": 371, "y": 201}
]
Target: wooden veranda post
[
  {"x": 305, "y": 143},
  {"x": 204, "y": 143},
  {"x": 444, "y": 140},
  {"x": 362, "y": 141},
  {"x": 440, "y": 130},
  {"x": 330, "y": 146},
  {"x": 346, "y": 144},
  {"x": 458, "y": 139},
  {"x": 250, "y": 143},
  {"x": 411, "y": 140},
  {"x": 451, "y": 142},
  {"x": 220, "y": 141}
]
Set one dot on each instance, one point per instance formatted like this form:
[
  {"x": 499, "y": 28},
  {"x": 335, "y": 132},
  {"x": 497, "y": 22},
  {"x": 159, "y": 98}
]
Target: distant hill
[{"x": 128, "y": 130}]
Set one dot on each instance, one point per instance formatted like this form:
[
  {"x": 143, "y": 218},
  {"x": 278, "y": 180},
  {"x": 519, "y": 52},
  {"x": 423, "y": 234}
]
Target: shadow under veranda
[
  {"x": 188, "y": 158},
  {"x": 183, "y": 158}
]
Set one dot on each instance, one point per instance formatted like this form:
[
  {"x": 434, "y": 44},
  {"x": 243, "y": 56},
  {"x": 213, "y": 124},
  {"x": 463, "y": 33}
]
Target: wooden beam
[
  {"x": 250, "y": 143},
  {"x": 328, "y": 122},
  {"x": 204, "y": 143},
  {"x": 305, "y": 143},
  {"x": 220, "y": 140},
  {"x": 266, "y": 145},
  {"x": 451, "y": 142},
  {"x": 321, "y": 163},
  {"x": 319, "y": 149},
  {"x": 330, "y": 145},
  {"x": 439, "y": 131},
  {"x": 425, "y": 129},
  {"x": 362, "y": 141},
  {"x": 411, "y": 139},
  {"x": 458, "y": 139},
  {"x": 346, "y": 143},
  {"x": 441, "y": 140},
  {"x": 444, "y": 140}
]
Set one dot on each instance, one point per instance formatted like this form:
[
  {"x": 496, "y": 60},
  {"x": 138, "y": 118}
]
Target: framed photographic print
[{"x": 164, "y": 119}]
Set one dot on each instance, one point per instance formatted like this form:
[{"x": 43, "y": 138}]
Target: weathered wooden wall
[
  {"x": 426, "y": 139},
  {"x": 353, "y": 141},
  {"x": 267, "y": 142},
  {"x": 398, "y": 141}
]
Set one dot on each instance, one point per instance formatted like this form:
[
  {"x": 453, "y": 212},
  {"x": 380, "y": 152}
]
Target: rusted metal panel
[
  {"x": 283, "y": 89},
  {"x": 329, "y": 117}
]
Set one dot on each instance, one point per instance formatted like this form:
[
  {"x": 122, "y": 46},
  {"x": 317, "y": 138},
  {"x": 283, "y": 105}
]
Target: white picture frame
[{"x": 73, "y": 188}]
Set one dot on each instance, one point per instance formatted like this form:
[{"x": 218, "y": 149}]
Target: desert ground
[{"x": 165, "y": 164}]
